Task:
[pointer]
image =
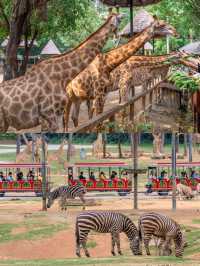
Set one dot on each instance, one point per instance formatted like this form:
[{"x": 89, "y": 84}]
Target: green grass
[
  {"x": 36, "y": 229},
  {"x": 119, "y": 260},
  {"x": 196, "y": 221},
  {"x": 91, "y": 244}
]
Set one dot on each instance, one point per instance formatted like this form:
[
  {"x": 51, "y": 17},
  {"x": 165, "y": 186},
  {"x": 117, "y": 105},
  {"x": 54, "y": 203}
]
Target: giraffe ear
[
  {"x": 155, "y": 17},
  {"x": 110, "y": 10},
  {"x": 117, "y": 9}
]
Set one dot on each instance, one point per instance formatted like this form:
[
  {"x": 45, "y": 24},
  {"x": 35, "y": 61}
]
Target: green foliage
[{"x": 184, "y": 82}]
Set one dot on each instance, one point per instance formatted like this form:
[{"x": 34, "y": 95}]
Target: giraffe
[
  {"x": 26, "y": 155},
  {"x": 92, "y": 82},
  {"x": 58, "y": 155},
  {"x": 38, "y": 97}
]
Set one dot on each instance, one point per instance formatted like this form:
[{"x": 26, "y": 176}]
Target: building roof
[
  {"x": 142, "y": 20},
  {"x": 126, "y": 3},
  {"x": 191, "y": 48},
  {"x": 148, "y": 46},
  {"x": 50, "y": 49}
]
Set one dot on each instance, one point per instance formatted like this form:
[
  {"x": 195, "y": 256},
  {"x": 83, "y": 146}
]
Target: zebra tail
[
  {"x": 140, "y": 230},
  {"x": 77, "y": 233}
]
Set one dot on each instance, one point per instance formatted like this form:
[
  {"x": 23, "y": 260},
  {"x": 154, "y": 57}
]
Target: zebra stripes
[
  {"x": 161, "y": 226},
  {"x": 106, "y": 222},
  {"x": 67, "y": 192}
]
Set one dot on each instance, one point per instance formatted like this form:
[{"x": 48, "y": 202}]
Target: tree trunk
[
  {"x": 104, "y": 145},
  {"x": 18, "y": 26}
]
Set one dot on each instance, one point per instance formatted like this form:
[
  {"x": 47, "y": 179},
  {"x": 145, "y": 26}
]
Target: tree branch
[{"x": 7, "y": 23}]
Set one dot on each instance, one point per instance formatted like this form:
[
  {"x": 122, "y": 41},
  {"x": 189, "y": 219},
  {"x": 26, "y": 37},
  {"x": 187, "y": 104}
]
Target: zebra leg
[
  {"x": 147, "y": 238},
  {"x": 87, "y": 254},
  {"x": 166, "y": 245},
  {"x": 118, "y": 244},
  {"x": 83, "y": 201},
  {"x": 113, "y": 244},
  {"x": 160, "y": 246}
]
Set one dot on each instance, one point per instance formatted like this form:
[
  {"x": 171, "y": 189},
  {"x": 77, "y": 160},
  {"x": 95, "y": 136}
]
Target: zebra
[
  {"x": 163, "y": 227},
  {"x": 67, "y": 192},
  {"x": 106, "y": 222}
]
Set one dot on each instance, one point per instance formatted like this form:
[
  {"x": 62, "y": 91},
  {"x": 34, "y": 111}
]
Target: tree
[{"x": 30, "y": 19}]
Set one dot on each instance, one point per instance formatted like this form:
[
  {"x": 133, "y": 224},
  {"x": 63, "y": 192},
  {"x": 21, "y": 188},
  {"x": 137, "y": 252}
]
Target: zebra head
[
  {"x": 179, "y": 243},
  {"x": 135, "y": 246},
  {"x": 50, "y": 200}
]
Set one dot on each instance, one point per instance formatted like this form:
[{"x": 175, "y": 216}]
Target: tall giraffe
[
  {"x": 39, "y": 96},
  {"x": 95, "y": 79},
  {"x": 57, "y": 155}
]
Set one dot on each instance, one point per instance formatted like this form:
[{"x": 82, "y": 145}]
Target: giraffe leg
[
  {"x": 75, "y": 113},
  {"x": 49, "y": 121},
  {"x": 66, "y": 115}
]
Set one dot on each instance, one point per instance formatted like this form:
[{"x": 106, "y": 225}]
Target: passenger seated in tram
[
  {"x": 70, "y": 175},
  {"x": 194, "y": 174},
  {"x": 20, "y": 176},
  {"x": 10, "y": 177},
  {"x": 81, "y": 176},
  {"x": 184, "y": 175},
  {"x": 30, "y": 176},
  {"x": 113, "y": 175},
  {"x": 162, "y": 175},
  {"x": 102, "y": 176},
  {"x": 124, "y": 175},
  {"x": 39, "y": 178},
  {"x": 2, "y": 178},
  {"x": 92, "y": 176}
]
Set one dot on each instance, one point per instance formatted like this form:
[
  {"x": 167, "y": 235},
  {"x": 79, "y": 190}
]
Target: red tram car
[
  {"x": 160, "y": 176},
  {"x": 121, "y": 182},
  {"x": 24, "y": 185}
]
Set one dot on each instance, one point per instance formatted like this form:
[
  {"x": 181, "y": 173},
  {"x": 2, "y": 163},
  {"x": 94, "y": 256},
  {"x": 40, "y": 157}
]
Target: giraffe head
[
  {"x": 162, "y": 29},
  {"x": 115, "y": 20}
]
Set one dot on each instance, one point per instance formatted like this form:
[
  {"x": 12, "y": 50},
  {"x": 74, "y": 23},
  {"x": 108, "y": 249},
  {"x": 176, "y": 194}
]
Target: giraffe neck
[
  {"x": 117, "y": 56},
  {"x": 67, "y": 66},
  {"x": 151, "y": 59}
]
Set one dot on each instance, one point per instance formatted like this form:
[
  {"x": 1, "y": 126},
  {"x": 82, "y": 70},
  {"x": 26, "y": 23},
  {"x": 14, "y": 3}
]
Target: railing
[
  {"x": 21, "y": 186},
  {"x": 162, "y": 92}
]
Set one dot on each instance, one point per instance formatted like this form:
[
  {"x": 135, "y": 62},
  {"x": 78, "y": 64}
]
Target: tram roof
[
  {"x": 22, "y": 165},
  {"x": 101, "y": 164},
  {"x": 179, "y": 164}
]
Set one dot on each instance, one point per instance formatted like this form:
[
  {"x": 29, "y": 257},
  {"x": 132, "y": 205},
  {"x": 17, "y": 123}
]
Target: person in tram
[
  {"x": 124, "y": 175},
  {"x": 162, "y": 175},
  {"x": 20, "y": 176},
  {"x": 2, "y": 178},
  {"x": 81, "y": 176},
  {"x": 92, "y": 176},
  {"x": 30, "y": 176},
  {"x": 113, "y": 175},
  {"x": 102, "y": 176},
  {"x": 194, "y": 174},
  {"x": 10, "y": 177},
  {"x": 183, "y": 175}
]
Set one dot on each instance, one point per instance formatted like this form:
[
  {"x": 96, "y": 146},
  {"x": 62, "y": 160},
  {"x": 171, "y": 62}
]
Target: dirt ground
[{"x": 61, "y": 244}]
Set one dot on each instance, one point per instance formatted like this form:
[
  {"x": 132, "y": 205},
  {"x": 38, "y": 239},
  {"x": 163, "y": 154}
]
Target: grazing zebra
[
  {"x": 67, "y": 192},
  {"x": 184, "y": 190},
  {"x": 106, "y": 222},
  {"x": 161, "y": 226}
]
